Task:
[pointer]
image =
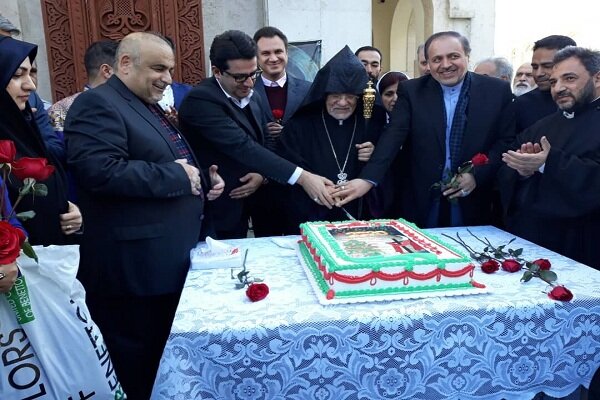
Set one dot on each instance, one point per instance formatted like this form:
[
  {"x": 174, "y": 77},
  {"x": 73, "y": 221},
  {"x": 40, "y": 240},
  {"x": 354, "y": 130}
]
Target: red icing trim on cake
[
  {"x": 404, "y": 275},
  {"x": 330, "y": 294},
  {"x": 478, "y": 285}
]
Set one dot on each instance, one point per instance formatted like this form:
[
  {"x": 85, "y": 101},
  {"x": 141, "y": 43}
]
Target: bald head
[
  {"x": 144, "y": 63},
  {"x": 132, "y": 44}
]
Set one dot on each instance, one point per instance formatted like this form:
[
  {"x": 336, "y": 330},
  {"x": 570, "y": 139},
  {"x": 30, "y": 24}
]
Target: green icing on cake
[
  {"x": 324, "y": 286},
  {"x": 376, "y": 262}
]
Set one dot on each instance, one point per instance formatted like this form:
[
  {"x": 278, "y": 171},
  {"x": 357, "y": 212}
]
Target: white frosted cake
[{"x": 381, "y": 257}]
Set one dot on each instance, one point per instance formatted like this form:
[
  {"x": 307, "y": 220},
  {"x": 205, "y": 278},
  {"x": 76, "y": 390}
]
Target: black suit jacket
[
  {"x": 223, "y": 134},
  {"x": 296, "y": 91},
  {"x": 141, "y": 219},
  {"x": 418, "y": 124}
]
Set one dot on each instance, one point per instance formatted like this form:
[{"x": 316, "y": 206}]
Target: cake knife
[{"x": 350, "y": 217}]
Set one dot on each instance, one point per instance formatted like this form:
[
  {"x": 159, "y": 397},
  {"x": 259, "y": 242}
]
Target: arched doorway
[{"x": 399, "y": 26}]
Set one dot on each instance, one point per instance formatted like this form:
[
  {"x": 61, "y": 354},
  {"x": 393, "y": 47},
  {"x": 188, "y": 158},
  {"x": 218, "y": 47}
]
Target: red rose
[
  {"x": 490, "y": 266},
  {"x": 511, "y": 265},
  {"x": 277, "y": 114},
  {"x": 479, "y": 159},
  {"x": 560, "y": 293},
  {"x": 11, "y": 239},
  {"x": 35, "y": 168},
  {"x": 543, "y": 263},
  {"x": 7, "y": 151},
  {"x": 257, "y": 291}
]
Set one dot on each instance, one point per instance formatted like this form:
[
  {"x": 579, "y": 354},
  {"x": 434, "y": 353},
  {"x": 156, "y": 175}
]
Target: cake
[{"x": 380, "y": 258}]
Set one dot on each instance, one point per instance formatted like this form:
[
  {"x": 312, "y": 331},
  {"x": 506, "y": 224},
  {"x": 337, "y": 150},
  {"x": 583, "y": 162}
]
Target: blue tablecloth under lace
[{"x": 510, "y": 343}]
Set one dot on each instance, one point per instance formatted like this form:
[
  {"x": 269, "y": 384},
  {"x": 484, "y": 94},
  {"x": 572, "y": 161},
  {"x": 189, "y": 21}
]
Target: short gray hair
[{"x": 503, "y": 67}]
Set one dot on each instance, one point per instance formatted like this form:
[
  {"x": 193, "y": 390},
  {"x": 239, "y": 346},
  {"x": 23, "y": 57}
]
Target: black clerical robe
[
  {"x": 560, "y": 208},
  {"x": 533, "y": 106},
  {"x": 305, "y": 142}
]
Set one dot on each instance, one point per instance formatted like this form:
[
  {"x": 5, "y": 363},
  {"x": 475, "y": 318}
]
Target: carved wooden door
[{"x": 72, "y": 25}]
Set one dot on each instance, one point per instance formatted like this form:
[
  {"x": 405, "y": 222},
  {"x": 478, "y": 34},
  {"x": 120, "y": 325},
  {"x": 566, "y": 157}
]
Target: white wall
[
  {"x": 27, "y": 16},
  {"x": 473, "y": 18},
  {"x": 336, "y": 22}
]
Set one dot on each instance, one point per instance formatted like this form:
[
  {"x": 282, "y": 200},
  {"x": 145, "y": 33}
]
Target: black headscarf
[{"x": 20, "y": 127}]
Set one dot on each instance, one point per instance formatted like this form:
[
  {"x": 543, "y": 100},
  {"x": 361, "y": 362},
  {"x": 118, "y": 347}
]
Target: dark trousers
[
  {"x": 267, "y": 209},
  {"x": 135, "y": 330}
]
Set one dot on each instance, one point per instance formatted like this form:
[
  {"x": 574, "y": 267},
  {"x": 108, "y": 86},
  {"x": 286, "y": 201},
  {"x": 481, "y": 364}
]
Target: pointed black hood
[{"x": 344, "y": 73}]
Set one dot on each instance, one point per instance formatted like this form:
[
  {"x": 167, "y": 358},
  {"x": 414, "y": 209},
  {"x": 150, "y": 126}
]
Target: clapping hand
[
  {"x": 528, "y": 158},
  {"x": 217, "y": 183}
]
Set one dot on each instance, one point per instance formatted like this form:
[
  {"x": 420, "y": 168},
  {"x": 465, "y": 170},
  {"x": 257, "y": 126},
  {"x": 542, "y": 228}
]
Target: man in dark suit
[
  {"x": 224, "y": 123},
  {"x": 441, "y": 121},
  {"x": 142, "y": 196},
  {"x": 279, "y": 95},
  {"x": 538, "y": 103}
]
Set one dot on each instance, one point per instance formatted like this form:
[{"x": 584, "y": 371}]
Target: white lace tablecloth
[{"x": 510, "y": 343}]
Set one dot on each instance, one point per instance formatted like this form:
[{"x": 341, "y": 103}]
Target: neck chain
[{"x": 342, "y": 176}]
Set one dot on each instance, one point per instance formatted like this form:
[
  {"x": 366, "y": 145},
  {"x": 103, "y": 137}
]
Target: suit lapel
[
  {"x": 263, "y": 100},
  {"x": 142, "y": 110},
  {"x": 256, "y": 111},
  {"x": 476, "y": 101},
  {"x": 434, "y": 102},
  {"x": 293, "y": 100}
]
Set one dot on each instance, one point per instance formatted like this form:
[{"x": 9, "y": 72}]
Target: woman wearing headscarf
[
  {"x": 387, "y": 86},
  {"x": 385, "y": 195},
  {"x": 56, "y": 218},
  {"x": 329, "y": 136}
]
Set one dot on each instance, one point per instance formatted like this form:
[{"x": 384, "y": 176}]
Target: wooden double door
[{"x": 72, "y": 25}]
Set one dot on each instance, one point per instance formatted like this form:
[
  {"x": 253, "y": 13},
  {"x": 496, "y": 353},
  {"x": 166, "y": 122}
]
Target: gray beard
[{"x": 519, "y": 90}]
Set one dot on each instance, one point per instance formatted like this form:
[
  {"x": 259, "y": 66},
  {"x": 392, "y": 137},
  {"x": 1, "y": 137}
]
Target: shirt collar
[
  {"x": 279, "y": 82},
  {"x": 241, "y": 103},
  {"x": 452, "y": 89}
]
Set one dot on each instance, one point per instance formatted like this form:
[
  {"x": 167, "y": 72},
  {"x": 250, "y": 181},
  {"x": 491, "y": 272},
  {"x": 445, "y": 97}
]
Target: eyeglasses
[{"x": 241, "y": 78}]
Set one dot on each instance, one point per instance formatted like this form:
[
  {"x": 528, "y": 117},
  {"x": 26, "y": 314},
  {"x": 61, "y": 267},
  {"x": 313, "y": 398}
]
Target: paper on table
[{"x": 215, "y": 254}]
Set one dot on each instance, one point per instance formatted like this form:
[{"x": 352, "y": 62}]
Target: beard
[
  {"x": 586, "y": 96},
  {"x": 520, "y": 90}
]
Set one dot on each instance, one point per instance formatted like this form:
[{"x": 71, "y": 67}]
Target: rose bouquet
[
  {"x": 493, "y": 258},
  {"x": 30, "y": 171}
]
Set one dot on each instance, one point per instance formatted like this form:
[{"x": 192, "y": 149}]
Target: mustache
[{"x": 563, "y": 93}]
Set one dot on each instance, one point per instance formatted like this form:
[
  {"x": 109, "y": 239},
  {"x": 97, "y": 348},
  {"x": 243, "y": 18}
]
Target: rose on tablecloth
[
  {"x": 543, "y": 263},
  {"x": 511, "y": 266},
  {"x": 511, "y": 261},
  {"x": 490, "y": 266},
  {"x": 257, "y": 291},
  {"x": 560, "y": 293}
]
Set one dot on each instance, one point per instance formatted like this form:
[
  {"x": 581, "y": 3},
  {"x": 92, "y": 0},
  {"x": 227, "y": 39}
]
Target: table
[{"x": 510, "y": 343}]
